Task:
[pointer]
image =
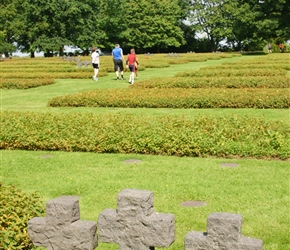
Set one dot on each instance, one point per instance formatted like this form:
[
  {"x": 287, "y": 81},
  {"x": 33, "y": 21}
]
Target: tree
[
  {"x": 111, "y": 18},
  {"x": 257, "y": 22},
  {"x": 214, "y": 18},
  {"x": 152, "y": 24},
  {"x": 7, "y": 27},
  {"x": 48, "y": 25}
]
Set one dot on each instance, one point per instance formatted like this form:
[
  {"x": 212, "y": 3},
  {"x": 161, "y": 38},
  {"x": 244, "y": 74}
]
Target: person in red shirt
[
  {"x": 130, "y": 63},
  {"x": 280, "y": 47}
]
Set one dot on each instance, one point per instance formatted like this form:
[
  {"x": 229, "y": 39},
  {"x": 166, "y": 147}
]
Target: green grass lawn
[{"x": 256, "y": 189}]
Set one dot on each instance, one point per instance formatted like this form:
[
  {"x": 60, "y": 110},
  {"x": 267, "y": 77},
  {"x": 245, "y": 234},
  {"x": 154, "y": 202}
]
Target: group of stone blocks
[{"x": 134, "y": 225}]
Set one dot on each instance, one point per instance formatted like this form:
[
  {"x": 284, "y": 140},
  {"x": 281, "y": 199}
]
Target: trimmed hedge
[
  {"x": 177, "y": 98},
  {"x": 16, "y": 208},
  {"x": 225, "y": 136},
  {"x": 25, "y": 83},
  {"x": 253, "y": 53},
  {"x": 231, "y": 72},
  {"x": 215, "y": 82}
]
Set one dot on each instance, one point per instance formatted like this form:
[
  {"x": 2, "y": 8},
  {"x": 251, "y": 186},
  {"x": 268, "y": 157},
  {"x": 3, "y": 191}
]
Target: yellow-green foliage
[
  {"x": 16, "y": 208},
  {"x": 215, "y": 82},
  {"x": 177, "y": 98},
  {"x": 17, "y": 83},
  {"x": 230, "y": 72},
  {"x": 225, "y": 136},
  {"x": 261, "y": 82}
]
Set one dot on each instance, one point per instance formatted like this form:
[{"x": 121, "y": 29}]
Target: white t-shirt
[{"x": 95, "y": 57}]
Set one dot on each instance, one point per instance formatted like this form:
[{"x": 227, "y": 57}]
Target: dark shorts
[
  {"x": 132, "y": 68},
  {"x": 118, "y": 64},
  {"x": 95, "y": 65}
]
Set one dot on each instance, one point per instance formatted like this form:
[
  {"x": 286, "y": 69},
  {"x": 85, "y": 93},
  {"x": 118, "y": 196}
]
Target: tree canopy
[{"x": 147, "y": 25}]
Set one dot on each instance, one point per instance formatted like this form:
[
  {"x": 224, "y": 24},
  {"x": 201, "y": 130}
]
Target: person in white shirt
[{"x": 96, "y": 63}]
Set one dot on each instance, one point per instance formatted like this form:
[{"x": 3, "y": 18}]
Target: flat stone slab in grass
[
  {"x": 193, "y": 203},
  {"x": 230, "y": 165},
  {"x": 46, "y": 156},
  {"x": 132, "y": 161}
]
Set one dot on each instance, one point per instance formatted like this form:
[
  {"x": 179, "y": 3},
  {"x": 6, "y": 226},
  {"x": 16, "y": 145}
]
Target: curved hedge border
[
  {"x": 230, "y": 72},
  {"x": 215, "y": 82},
  {"x": 226, "y": 136},
  {"x": 25, "y": 83},
  {"x": 177, "y": 98}
]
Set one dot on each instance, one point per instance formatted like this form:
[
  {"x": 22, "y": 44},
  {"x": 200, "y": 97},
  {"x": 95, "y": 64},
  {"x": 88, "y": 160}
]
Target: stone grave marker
[
  {"x": 135, "y": 224},
  {"x": 62, "y": 228},
  {"x": 86, "y": 63},
  {"x": 223, "y": 232}
]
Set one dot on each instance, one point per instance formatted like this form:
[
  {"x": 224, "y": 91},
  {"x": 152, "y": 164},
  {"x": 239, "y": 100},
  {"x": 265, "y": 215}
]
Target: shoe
[
  {"x": 123, "y": 78},
  {"x": 96, "y": 78},
  {"x": 129, "y": 82},
  {"x": 118, "y": 78}
]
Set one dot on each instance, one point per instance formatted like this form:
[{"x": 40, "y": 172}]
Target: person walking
[
  {"x": 269, "y": 48},
  {"x": 95, "y": 62},
  {"x": 136, "y": 67},
  {"x": 280, "y": 47},
  {"x": 131, "y": 63},
  {"x": 118, "y": 58}
]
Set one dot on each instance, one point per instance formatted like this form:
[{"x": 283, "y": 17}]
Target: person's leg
[
  {"x": 116, "y": 69},
  {"x": 132, "y": 77},
  {"x": 96, "y": 70},
  {"x": 132, "y": 73},
  {"x": 121, "y": 67}
]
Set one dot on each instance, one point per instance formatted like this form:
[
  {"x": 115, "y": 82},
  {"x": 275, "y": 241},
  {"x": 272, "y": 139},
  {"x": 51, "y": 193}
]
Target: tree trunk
[
  {"x": 32, "y": 54},
  {"x": 61, "y": 51}
]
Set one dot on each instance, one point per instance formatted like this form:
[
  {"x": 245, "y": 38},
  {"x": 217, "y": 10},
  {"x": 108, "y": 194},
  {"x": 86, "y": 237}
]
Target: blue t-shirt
[{"x": 117, "y": 53}]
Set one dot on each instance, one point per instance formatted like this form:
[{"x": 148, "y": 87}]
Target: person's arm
[
  {"x": 127, "y": 61},
  {"x": 123, "y": 58}
]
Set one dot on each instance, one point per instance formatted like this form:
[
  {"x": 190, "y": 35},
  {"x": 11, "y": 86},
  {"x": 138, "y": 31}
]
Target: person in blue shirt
[{"x": 118, "y": 59}]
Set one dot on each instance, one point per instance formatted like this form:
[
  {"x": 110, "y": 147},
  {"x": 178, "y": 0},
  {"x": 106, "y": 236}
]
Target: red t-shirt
[{"x": 131, "y": 59}]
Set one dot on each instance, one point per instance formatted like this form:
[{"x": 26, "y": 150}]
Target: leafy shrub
[
  {"x": 231, "y": 72},
  {"x": 225, "y": 136},
  {"x": 25, "y": 83},
  {"x": 215, "y": 82},
  {"x": 177, "y": 98},
  {"x": 16, "y": 208},
  {"x": 253, "y": 53}
]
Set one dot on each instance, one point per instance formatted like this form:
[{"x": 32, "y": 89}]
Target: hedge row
[
  {"x": 25, "y": 68},
  {"x": 81, "y": 74},
  {"x": 25, "y": 83},
  {"x": 244, "y": 72},
  {"x": 269, "y": 65},
  {"x": 177, "y": 98},
  {"x": 55, "y": 68},
  {"x": 225, "y": 136},
  {"x": 215, "y": 82},
  {"x": 16, "y": 208}
]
